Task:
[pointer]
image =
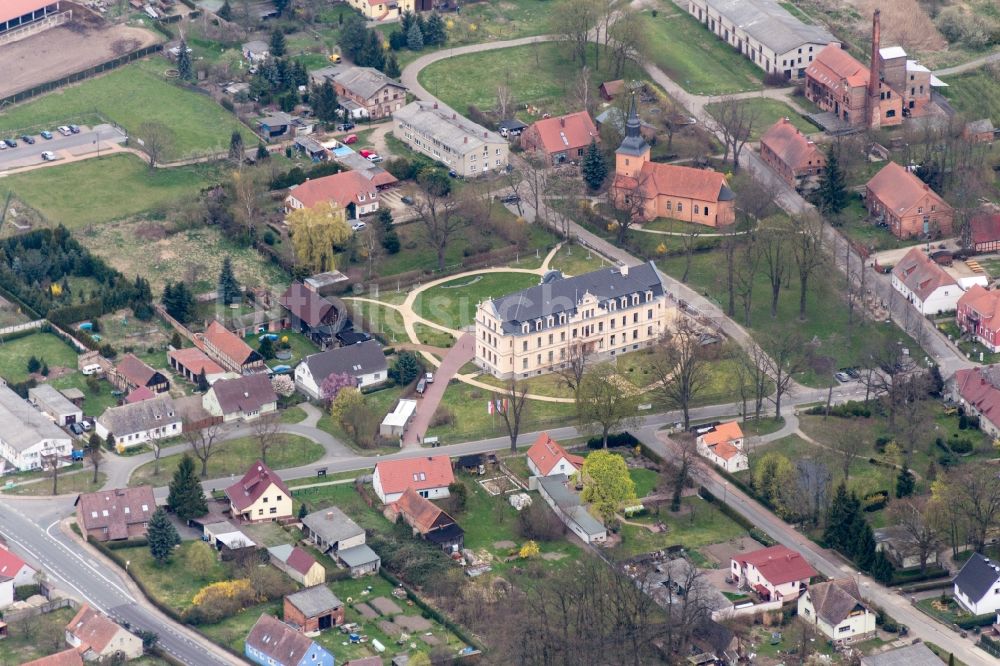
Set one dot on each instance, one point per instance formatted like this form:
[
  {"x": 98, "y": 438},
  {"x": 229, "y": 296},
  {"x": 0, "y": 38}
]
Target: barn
[{"x": 16, "y": 13}]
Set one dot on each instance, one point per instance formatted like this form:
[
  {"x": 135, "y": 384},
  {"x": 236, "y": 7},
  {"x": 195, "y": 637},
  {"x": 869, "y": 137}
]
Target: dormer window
[
  {"x": 562, "y": 318},
  {"x": 624, "y": 301},
  {"x": 649, "y": 296},
  {"x": 525, "y": 327},
  {"x": 550, "y": 321},
  {"x": 635, "y": 299},
  {"x": 538, "y": 324}
]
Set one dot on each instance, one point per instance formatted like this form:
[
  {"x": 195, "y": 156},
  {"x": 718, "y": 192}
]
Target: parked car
[
  {"x": 510, "y": 199},
  {"x": 64, "y": 130},
  {"x": 49, "y": 156},
  {"x": 375, "y": 159},
  {"x": 74, "y": 129},
  {"x": 429, "y": 376},
  {"x": 853, "y": 373},
  {"x": 364, "y": 152},
  {"x": 3, "y": 145},
  {"x": 28, "y": 139},
  {"x": 358, "y": 226},
  {"x": 343, "y": 127},
  {"x": 45, "y": 134},
  {"x": 76, "y": 428},
  {"x": 351, "y": 138},
  {"x": 11, "y": 142},
  {"x": 842, "y": 377},
  {"x": 77, "y": 453},
  {"x": 453, "y": 173},
  {"x": 86, "y": 425},
  {"x": 421, "y": 386},
  {"x": 408, "y": 200},
  {"x": 91, "y": 369}
]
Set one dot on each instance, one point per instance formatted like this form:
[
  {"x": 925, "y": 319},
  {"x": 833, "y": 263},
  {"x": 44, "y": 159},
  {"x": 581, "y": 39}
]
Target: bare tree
[
  {"x": 733, "y": 119},
  {"x": 202, "y": 442},
  {"x": 248, "y": 187},
  {"x": 51, "y": 463},
  {"x": 911, "y": 516},
  {"x": 155, "y": 139},
  {"x": 679, "y": 366},
  {"x": 574, "y": 22},
  {"x": 534, "y": 176},
  {"x": 440, "y": 218},
  {"x": 95, "y": 453},
  {"x": 809, "y": 254},
  {"x": 265, "y": 431},
  {"x": 690, "y": 242},
  {"x": 628, "y": 203},
  {"x": 512, "y": 409},
  {"x": 505, "y": 99},
  {"x": 683, "y": 465},
  {"x": 627, "y": 38},
  {"x": 849, "y": 443},
  {"x": 582, "y": 92},
  {"x": 775, "y": 246},
  {"x": 755, "y": 364},
  {"x": 573, "y": 371},
  {"x": 785, "y": 358},
  {"x": 887, "y": 377},
  {"x": 745, "y": 274},
  {"x": 604, "y": 403},
  {"x": 974, "y": 493},
  {"x": 372, "y": 246}
]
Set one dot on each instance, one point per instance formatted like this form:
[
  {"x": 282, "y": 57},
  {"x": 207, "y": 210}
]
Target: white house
[
  {"x": 838, "y": 611},
  {"x": 547, "y": 458},
  {"x": 27, "y": 437},
  {"x": 241, "y": 399},
  {"x": 570, "y": 510},
  {"x": 138, "y": 422},
  {"x": 260, "y": 495},
  {"x": 977, "y": 585},
  {"x": 430, "y": 476},
  {"x": 98, "y": 638},
  {"x": 723, "y": 447},
  {"x": 6, "y": 592},
  {"x": 775, "y": 573},
  {"x": 363, "y": 361},
  {"x": 55, "y": 404},
  {"x": 13, "y": 567},
  {"x": 925, "y": 284}
]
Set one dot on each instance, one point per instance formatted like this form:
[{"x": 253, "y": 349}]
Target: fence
[
  {"x": 81, "y": 75},
  {"x": 17, "y": 328},
  {"x": 11, "y": 616}
]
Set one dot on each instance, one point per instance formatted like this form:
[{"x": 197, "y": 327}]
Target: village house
[
  {"x": 16, "y": 569},
  {"x": 979, "y": 131},
  {"x": 241, "y": 399},
  {"x": 6, "y": 593},
  {"x": 765, "y": 32},
  {"x": 398, "y": 420},
  {"x": 461, "y": 145},
  {"x": 978, "y": 391},
  {"x": 915, "y": 654},
  {"x": 651, "y": 189},
  {"x": 978, "y": 315},
  {"x": 428, "y": 520},
  {"x": 299, "y": 565},
  {"x": 55, "y": 405},
  {"x": 132, "y": 373},
  {"x": 776, "y": 573},
  {"x": 313, "y": 609},
  {"x": 977, "y": 585},
  {"x": 271, "y": 642},
  {"x": 925, "y": 284},
  {"x": 97, "y": 638},
  {"x": 191, "y": 362},
  {"x": 907, "y": 204},
  {"x": 280, "y": 125},
  {"x": 229, "y": 540},
  {"x": 116, "y": 514},
  {"x": 312, "y": 315},
  {"x": 332, "y": 530},
  {"x": 139, "y": 422},
  {"x": 561, "y": 138},
  {"x": 838, "y": 611},
  {"x": 363, "y": 92},
  {"x": 364, "y": 361},
  {"x": 723, "y": 446},
  {"x": 350, "y": 190},
  {"x": 788, "y": 151},
  {"x": 568, "y": 507},
  {"x": 984, "y": 227},
  {"x": 230, "y": 351},
  {"x": 546, "y": 457},
  {"x": 430, "y": 476},
  {"x": 601, "y": 314},
  {"x": 900, "y": 547},
  {"x": 259, "y": 496},
  {"x": 611, "y": 89},
  {"x": 28, "y": 439},
  {"x": 68, "y": 657}
]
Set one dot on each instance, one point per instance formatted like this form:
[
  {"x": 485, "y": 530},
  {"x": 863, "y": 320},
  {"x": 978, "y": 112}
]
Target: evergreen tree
[
  {"x": 262, "y": 153},
  {"x": 229, "y": 289},
  {"x": 278, "y": 48},
  {"x": 169, "y": 300},
  {"x": 226, "y": 11},
  {"x": 392, "y": 67},
  {"x": 839, "y": 519},
  {"x": 282, "y": 6},
  {"x": 406, "y": 21},
  {"x": 303, "y": 511},
  {"x": 353, "y": 36},
  {"x": 266, "y": 348},
  {"x": 434, "y": 32},
  {"x": 594, "y": 168},
  {"x": 882, "y": 569},
  {"x": 415, "y": 37},
  {"x": 390, "y": 239},
  {"x": 905, "y": 483},
  {"x": 863, "y": 548},
  {"x": 184, "y": 68},
  {"x": 325, "y": 103},
  {"x": 186, "y": 497},
  {"x": 162, "y": 536},
  {"x": 832, "y": 193},
  {"x": 175, "y": 340},
  {"x": 397, "y": 40},
  {"x": 406, "y": 368},
  {"x": 34, "y": 365},
  {"x": 372, "y": 54},
  {"x": 44, "y": 369},
  {"x": 203, "y": 385},
  {"x": 236, "y": 149}
]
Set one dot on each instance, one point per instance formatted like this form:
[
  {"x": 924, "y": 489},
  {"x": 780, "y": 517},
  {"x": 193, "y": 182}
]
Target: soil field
[{"x": 85, "y": 41}]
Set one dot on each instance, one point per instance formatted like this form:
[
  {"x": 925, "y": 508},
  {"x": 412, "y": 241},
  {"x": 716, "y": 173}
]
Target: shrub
[
  {"x": 849, "y": 409},
  {"x": 443, "y": 416},
  {"x": 876, "y": 501},
  {"x": 961, "y": 446},
  {"x": 539, "y": 523},
  {"x": 218, "y": 601},
  {"x": 614, "y": 441}
]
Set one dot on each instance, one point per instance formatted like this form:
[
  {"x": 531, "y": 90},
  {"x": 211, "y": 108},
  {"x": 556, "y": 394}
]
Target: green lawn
[
  {"x": 769, "y": 111},
  {"x": 453, "y": 303},
  {"x": 14, "y": 355},
  {"x": 950, "y": 612},
  {"x": 856, "y": 225},
  {"x": 173, "y": 583},
  {"x": 35, "y": 638},
  {"x": 293, "y": 415},
  {"x": 975, "y": 94},
  {"x": 645, "y": 480},
  {"x": 546, "y": 83},
  {"x": 109, "y": 188},
  {"x": 234, "y": 457},
  {"x": 130, "y": 96},
  {"x": 382, "y": 402},
  {"x": 433, "y": 337},
  {"x": 382, "y": 320},
  {"x": 78, "y": 482},
  {"x": 695, "y": 58},
  {"x": 574, "y": 259},
  {"x": 299, "y": 345},
  {"x": 698, "y": 524}
]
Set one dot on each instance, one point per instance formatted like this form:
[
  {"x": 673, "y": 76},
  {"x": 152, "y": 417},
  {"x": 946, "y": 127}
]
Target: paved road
[
  {"x": 972, "y": 64},
  {"x": 62, "y": 146},
  {"x": 460, "y": 354}
]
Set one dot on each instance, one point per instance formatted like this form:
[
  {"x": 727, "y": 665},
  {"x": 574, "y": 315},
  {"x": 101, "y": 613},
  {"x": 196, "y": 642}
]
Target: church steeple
[
  {"x": 634, "y": 151},
  {"x": 632, "y": 126}
]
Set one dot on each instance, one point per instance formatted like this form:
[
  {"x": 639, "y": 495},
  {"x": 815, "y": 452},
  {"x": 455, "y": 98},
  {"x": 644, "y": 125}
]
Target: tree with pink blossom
[
  {"x": 283, "y": 385},
  {"x": 332, "y": 385}
]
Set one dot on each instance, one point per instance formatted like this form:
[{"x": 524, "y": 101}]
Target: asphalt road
[{"x": 27, "y": 155}]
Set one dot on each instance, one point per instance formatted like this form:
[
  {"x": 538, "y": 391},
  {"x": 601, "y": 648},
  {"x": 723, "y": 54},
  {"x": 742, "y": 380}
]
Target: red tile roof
[
  {"x": 778, "y": 564},
  {"x": 196, "y": 360},
  {"x": 985, "y": 228},
  {"x": 344, "y": 188},
  {"x": 93, "y": 629},
  {"x": 228, "y": 343},
  {"x": 677, "y": 181},
  {"x": 139, "y": 394},
  {"x": 899, "y": 190},
  {"x": 421, "y": 473},
  {"x": 724, "y": 450},
  {"x": 574, "y": 130},
  {"x": 546, "y": 452},
  {"x": 135, "y": 370},
  {"x": 254, "y": 483},
  {"x": 984, "y": 303},
  {"x": 70, "y": 657},
  {"x": 10, "y": 564},
  {"x": 921, "y": 274},
  {"x": 834, "y": 64},
  {"x": 724, "y": 432},
  {"x": 305, "y": 304},
  {"x": 978, "y": 387},
  {"x": 421, "y": 513},
  {"x": 116, "y": 509},
  {"x": 792, "y": 146},
  {"x": 300, "y": 560}
]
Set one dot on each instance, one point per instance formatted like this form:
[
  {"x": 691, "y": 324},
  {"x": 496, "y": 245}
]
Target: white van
[{"x": 91, "y": 369}]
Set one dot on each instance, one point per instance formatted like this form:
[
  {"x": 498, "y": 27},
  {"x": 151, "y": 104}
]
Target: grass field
[
  {"x": 577, "y": 260},
  {"x": 769, "y": 111},
  {"x": 14, "y": 355},
  {"x": 130, "y": 96},
  {"x": 546, "y": 82},
  {"x": 695, "y": 58},
  {"x": 645, "y": 480},
  {"x": 453, "y": 304},
  {"x": 78, "y": 482},
  {"x": 234, "y": 457},
  {"x": 975, "y": 94},
  {"x": 698, "y": 524},
  {"x": 471, "y": 420},
  {"x": 382, "y": 320},
  {"x": 104, "y": 189},
  {"x": 36, "y": 638},
  {"x": 173, "y": 583}
]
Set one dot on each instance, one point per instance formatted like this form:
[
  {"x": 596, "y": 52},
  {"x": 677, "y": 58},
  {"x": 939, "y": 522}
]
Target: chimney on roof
[
  {"x": 486, "y": 135},
  {"x": 624, "y": 270}
]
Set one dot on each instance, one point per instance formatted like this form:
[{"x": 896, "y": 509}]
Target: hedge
[
  {"x": 909, "y": 576},
  {"x": 130, "y": 543},
  {"x": 614, "y": 441},
  {"x": 990, "y": 645},
  {"x": 431, "y": 612},
  {"x": 17, "y": 335},
  {"x": 978, "y": 621},
  {"x": 651, "y": 454},
  {"x": 731, "y": 513},
  {"x": 846, "y": 410},
  {"x": 22, "y": 592}
]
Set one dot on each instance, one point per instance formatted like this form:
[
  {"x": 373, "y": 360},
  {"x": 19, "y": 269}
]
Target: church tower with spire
[{"x": 634, "y": 151}]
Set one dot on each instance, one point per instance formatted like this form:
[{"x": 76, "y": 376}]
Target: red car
[
  {"x": 364, "y": 152},
  {"x": 351, "y": 138}
]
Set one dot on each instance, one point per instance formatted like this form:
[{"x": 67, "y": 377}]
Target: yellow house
[
  {"x": 259, "y": 496},
  {"x": 838, "y": 611},
  {"x": 298, "y": 564},
  {"x": 380, "y": 10}
]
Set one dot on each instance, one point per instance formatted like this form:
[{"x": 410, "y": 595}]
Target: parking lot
[{"x": 63, "y": 146}]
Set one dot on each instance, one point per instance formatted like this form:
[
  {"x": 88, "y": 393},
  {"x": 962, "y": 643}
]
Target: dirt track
[{"x": 85, "y": 41}]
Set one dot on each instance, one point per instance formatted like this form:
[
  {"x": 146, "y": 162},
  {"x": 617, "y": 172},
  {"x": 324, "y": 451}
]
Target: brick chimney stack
[{"x": 873, "y": 74}]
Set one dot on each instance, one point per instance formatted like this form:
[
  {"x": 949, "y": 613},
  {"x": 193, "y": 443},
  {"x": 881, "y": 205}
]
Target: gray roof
[
  {"x": 140, "y": 416},
  {"x": 977, "y": 576},
  {"x": 364, "y": 81},
  {"x": 21, "y": 425},
  {"x": 52, "y": 401},
  {"x": 256, "y": 46},
  {"x": 563, "y": 295},
  {"x": 277, "y": 119},
  {"x": 248, "y": 393},
  {"x": 332, "y": 524},
  {"x": 982, "y": 125},
  {"x": 281, "y": 552},
  {"x": 357, "y": 556},
  {"x": 834, "y": 600},
  {"x": 917, "y": 654},
  {"x": 555, "y": 487},
  {"x": 680, "y": 572},
  {"x": 315, "y": 600},
  {"x": 771, "y": 24},
  {"x": 587, "y": 522},
  {"x": 356, "y": 360},
  {"x": 452, "y": 130},
  {"x": 898, "y": 538}
]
